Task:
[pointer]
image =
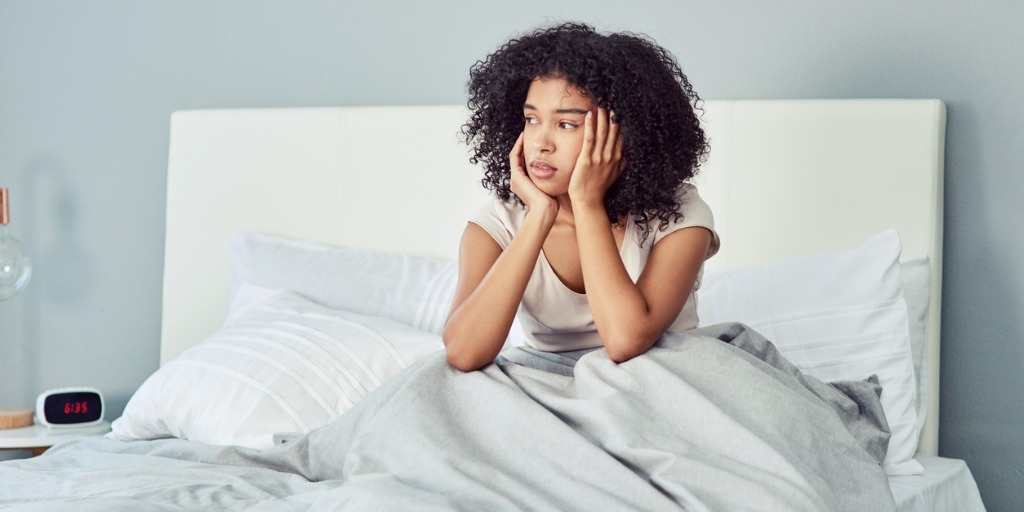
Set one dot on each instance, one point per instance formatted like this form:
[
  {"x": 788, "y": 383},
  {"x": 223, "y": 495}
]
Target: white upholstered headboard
[{"x": 784, "y": 178}]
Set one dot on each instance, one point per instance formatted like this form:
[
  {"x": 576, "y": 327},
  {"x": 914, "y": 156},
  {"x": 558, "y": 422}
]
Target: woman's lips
[{"x": 542, "y": 170}]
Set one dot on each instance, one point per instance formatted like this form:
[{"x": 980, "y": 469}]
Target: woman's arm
[
  {"x": 491, "y": 286},
  {"x": 629, "y": 317},
  {"x": 492, "y": 281}
]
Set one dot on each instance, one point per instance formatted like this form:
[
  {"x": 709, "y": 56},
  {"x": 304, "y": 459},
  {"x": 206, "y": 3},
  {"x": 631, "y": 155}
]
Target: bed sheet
[
  {"x": 946, "y": 485},
  {"x": 709, "y": 420}
]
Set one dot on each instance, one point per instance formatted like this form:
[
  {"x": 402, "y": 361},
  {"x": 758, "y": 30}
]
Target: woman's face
[{"x": 554, "y": 114}]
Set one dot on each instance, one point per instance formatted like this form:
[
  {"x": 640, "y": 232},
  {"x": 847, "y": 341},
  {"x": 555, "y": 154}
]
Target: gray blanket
[{"x": 713, "y": 419}]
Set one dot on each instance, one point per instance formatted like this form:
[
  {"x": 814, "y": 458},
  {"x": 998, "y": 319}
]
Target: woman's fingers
[
  {"x": 607, "y": 145},
  {"x": 600, "y": 135},
  {"x": 586, "y": 152},
  {"x": 515, "y": 158},
  {"x": 613, "y": 146}
]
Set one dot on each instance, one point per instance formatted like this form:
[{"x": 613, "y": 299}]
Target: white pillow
[
  {"x": 411, "y": 289},
  {"x": 414, "y": 290},
  {"x": 916, "y": 274},
  {"x": 284, "y": 364},
  {"x": 836, "y": 316}
]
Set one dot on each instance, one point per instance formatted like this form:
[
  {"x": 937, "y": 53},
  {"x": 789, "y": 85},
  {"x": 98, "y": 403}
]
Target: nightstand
[{"x": 37, "y": 438}]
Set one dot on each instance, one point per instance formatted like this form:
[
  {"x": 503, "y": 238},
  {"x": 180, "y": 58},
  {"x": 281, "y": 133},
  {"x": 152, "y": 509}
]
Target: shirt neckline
[{"x": 626, "y": 238}]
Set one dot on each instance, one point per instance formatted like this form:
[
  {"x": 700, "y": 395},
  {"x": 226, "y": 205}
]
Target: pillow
[
  {"x": 836, "y": 316},
  {"x": 916, "y": 274},
  {"x": 283, "y": 364},
  {"x": 414, "y": 290}
]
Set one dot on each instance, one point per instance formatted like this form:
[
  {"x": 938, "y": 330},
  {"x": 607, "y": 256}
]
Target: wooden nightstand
[{"x": 37, "y": 438}]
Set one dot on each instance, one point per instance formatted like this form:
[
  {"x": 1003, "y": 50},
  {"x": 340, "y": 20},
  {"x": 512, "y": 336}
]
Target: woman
[{"x": 589, "y": 142}]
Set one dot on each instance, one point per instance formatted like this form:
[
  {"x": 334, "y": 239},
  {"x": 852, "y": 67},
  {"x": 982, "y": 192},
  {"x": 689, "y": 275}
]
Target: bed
[{"x": 830, "y": 212}]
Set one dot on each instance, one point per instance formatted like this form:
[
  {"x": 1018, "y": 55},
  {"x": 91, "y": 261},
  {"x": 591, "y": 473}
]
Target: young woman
[{"x": 588, "y": 141}]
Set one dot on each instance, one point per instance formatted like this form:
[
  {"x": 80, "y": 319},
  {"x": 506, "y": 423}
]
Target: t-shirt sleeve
[
  {"x": 493, "y": 217},
  {"x": 695, "y": 213}
]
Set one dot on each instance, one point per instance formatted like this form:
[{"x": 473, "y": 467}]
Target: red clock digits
[{"x": 76, "y": 407}]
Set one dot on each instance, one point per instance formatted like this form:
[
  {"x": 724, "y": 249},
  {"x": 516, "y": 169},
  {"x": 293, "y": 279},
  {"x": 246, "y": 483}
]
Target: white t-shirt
[{"x": 555, "y": 318}]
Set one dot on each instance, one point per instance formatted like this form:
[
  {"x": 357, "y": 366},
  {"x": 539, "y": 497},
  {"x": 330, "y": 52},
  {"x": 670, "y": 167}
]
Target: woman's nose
[{"x": 543, "y": 141}]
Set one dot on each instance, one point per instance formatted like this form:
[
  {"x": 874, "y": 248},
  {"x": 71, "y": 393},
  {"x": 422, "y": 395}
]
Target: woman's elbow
[
  {"x": 459, "y": 358},
  {"x": 620, "y": 354},
  {"x": 623, "y": 348},
  {"x": 461, "y": 361}
]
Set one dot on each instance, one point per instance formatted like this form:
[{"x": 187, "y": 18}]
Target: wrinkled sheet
[{"x": 713, "y": 419}]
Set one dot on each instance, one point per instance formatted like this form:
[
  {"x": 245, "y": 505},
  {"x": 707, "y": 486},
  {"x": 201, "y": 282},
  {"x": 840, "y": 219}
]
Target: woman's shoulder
[
  {"x": 506, "y": 212},
  {"x": 691, "y": 203},
  {"x": 694, "y": 211},
  {"x": 500, "y": 218}
]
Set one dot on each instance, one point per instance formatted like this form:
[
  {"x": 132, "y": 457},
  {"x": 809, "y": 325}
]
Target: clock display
[{"x": 73, "y": 408}]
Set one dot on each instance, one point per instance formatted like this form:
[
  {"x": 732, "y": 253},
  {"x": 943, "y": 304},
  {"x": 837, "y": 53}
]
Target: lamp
[{"x": 15, "y": 266}]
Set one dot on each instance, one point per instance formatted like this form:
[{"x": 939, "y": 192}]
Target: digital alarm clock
[{"x": 70, "y": 407}]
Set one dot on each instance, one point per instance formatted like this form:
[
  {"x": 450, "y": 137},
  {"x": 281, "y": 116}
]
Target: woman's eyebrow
[{"x": 580, "y": 111}]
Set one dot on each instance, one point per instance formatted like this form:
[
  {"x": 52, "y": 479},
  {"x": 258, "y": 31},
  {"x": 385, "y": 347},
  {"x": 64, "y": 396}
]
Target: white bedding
[
  {"x": 946, "y": 485},
  {"x": 707, "y": 420}
]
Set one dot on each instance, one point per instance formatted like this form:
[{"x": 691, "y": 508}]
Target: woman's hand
[
  {"x": 524, "y": 187},
  {"x": 600, "y": 162}
]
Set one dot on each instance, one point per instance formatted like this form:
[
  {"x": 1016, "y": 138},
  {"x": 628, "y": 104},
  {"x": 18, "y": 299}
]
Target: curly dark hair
[{"x": 663, "y": 143}]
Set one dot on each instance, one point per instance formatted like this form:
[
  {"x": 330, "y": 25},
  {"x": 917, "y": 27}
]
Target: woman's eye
[
  {"x": 566, "y": 125},
  {"x": 531, "y": 120}
]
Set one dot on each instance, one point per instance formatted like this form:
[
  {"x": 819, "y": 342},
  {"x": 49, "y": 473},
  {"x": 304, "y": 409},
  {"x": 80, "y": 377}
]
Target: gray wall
[{"x": 86, "y": 89}]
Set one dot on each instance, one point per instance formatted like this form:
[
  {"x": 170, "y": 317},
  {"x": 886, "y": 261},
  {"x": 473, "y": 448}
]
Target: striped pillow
[{"x": 286, "y": 364}]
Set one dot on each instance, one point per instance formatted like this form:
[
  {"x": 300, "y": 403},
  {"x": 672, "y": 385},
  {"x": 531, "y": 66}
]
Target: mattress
[
  {"x": 109, "y": 467},
  {"x": 946, "y": 485}
]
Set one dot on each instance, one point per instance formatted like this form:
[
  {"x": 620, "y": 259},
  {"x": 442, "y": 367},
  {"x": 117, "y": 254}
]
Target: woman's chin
[{"x": 553, "y": 191}]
